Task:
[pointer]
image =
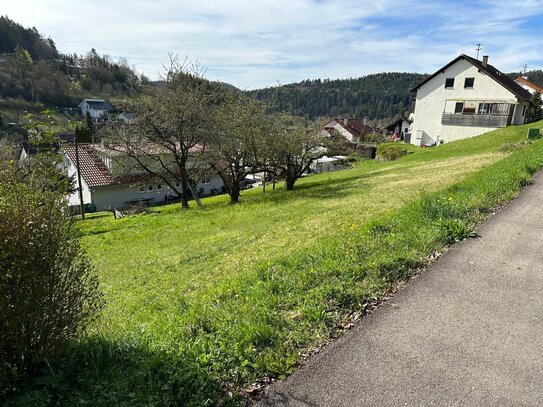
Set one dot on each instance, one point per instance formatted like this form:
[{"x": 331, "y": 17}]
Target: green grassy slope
[{"x": 204, "y": 300}]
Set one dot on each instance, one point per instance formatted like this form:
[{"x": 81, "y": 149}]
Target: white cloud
[{"x": 257, "y": 43}]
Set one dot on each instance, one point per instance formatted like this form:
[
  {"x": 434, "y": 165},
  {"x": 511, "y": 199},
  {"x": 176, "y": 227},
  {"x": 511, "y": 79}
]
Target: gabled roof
[
  {"x": 93, "y": 170},
  {"x": 354, "y": 126},
  {"x": 531, "y": 85},
  {"x": 489, "y": 70},
  {"x": 97, "y": 104},
  {"x": 397, "y": 122}
]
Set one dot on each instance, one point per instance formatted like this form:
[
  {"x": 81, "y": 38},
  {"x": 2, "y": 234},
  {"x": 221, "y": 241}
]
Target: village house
[
  {"x": 352, "y": 129},
  {"x": 465, "y": 98},
  {"x": 529, "y": 86},
  {"x": 107, "y": 184},
  {"x": 96, "y": 108},
  {"x": 401, "y": 126}
]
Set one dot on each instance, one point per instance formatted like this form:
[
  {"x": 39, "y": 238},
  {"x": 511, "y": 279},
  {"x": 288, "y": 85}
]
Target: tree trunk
[
  {"x": 234, "y": 192},
  {"x": 184, "y": 192},
  {"x": 290, "y": 183},
  {"x": 194, "y": 194}
]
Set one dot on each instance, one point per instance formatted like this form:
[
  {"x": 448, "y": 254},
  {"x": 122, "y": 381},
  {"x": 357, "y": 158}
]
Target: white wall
[
  {"x": 73, "y": 198},
  {"x": 118, "y": 196},
  {"x": 432, "y": 96}
]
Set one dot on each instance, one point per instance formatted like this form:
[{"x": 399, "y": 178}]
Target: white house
[
  {"x": 105, "y": 185},
  {"x": 97, "y": 108},
  {"x": 352, "y": 129},
  {"x": 398, "y": 126},
  {"x": 465, "y": 98},
  {"x": 529, "y": 86}
]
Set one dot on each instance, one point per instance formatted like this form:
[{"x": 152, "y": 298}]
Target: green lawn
[{"x": 206, "y": 300}]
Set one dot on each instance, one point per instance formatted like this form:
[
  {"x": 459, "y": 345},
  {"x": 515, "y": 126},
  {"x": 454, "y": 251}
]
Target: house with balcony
[{"x": 465, "y": 98}]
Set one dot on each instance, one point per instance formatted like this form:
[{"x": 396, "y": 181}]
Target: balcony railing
[{"x": 474, "y": 120}]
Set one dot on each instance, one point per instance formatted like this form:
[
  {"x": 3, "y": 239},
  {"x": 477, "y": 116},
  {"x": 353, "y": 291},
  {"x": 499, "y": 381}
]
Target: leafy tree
[
  {"x": 534, "y": 112},
  {"x": 48, "y": 289}
]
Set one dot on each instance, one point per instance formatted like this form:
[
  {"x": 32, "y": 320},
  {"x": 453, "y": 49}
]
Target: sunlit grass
[{"x": 218, "y": 296}]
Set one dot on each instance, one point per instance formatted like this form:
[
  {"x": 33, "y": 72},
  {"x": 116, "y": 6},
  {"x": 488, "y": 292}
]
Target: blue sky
[{"x": 259, "y": 43}]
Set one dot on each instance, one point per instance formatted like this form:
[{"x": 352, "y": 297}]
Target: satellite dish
[{"x": 411, "y": 117}]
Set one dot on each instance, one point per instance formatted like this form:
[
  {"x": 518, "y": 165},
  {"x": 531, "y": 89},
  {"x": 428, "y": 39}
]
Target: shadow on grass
[{"x": 97, "y": 372}]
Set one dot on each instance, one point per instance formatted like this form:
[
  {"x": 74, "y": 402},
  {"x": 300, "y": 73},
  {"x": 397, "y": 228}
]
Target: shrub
[
  {"x": 391, "y": 151},
  {"x": 48, "y": 289}
]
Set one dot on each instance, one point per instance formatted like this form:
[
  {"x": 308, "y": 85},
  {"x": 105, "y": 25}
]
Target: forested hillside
[
  {"x": 377, "y": 96},
  {"x": 32, "y": 69}
]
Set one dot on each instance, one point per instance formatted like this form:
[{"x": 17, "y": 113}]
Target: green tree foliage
[
  {"x": 48, "y": 288},
  {"x": 34, "y": 70},
  {"x": 376, "y": 96},
  {"x": 534, "y": 112},
  {"x": 13, "y": 35}
]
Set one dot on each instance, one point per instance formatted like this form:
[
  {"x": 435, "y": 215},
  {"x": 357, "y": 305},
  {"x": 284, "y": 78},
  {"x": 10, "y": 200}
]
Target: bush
[
  {"x": 391, "y": 151},
  {"x": 48, "y": 289}
]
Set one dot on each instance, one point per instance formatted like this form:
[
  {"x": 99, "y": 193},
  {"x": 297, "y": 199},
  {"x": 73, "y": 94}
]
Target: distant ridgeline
[
  {"x": 32, "y": 68},
  {"x": 379, "y": 97}
]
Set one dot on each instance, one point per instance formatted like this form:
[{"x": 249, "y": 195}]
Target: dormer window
[
  {"x": 468, "y": 83},
  {"x": 449, "y": 83}
]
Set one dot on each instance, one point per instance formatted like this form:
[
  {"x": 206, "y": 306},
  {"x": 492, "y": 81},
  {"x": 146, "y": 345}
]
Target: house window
[
  {"x": 177, "y": 183},
  {"x": 449, "y": 83},
  {"x": 159, "y": 186},
  {"x": 150, "y": 187},
  {"x": 142, "y": 188},
  {"x": 485, "y": 108},
  {"x": 468, "y": 83},
  {"x": 205, "y": 181},
  {"x": 459, "y": 107}
]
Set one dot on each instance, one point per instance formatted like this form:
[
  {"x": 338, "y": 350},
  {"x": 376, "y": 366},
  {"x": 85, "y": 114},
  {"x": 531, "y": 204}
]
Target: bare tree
[
  {"x": 238, "y": 146},
  {"x": 295, "y": 145},
  {"x": 168, "y": 136}
]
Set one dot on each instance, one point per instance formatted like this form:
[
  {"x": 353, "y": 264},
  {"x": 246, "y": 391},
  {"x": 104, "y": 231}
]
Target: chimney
[
  {"x": 485, "y": 60},
  {"x": 365, "y": 120},
  {"x": 345, "y": 121}
]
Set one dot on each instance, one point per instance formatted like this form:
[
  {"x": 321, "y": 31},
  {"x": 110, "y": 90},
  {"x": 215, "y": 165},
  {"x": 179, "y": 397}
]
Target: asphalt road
[{"x": 467, "y": 332}]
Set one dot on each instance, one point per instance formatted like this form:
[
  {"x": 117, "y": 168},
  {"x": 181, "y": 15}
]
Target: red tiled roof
[
  {"x": 354, "y": 126},
  {"x": 529, "y": 84},
  {"x": 93, "y": 170}
]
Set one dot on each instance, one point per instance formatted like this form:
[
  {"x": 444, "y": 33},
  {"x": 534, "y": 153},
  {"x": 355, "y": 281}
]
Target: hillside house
[
  {"x": 399, "y": 126},
  {"x": 96, "y": 108},
  {"x": 465, "y": 98},
  {"x": 353, "y": 130},
  {"x": 529, "y": 86},
  {"x": 105, "y": 183}
]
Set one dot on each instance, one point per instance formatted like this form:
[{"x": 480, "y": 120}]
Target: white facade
[
  {"x": 341, "y": 130},
  {"x": 532, "y": 88},
  {"x": 94, "y": 113},
  {"x": 106, "y": 197},
  {"x": 474, "y": 104}
]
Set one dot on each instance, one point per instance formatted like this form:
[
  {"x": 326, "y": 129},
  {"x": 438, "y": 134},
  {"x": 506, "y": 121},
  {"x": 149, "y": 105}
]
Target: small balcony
[{"x": 474, "y": 120}]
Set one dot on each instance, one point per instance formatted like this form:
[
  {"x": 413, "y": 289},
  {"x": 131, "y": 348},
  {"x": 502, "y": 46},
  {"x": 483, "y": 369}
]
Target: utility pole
[
  {"x": 525, "y": 69},
  {"x": 478, "y": 49},
  {"x": 81, "y": 204}
]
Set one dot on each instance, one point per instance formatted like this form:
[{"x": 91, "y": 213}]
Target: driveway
[{"x": 467, "y": 332}]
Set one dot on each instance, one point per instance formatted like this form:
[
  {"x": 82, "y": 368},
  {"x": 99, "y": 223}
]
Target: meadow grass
[{"x": 206, "y": 300}]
